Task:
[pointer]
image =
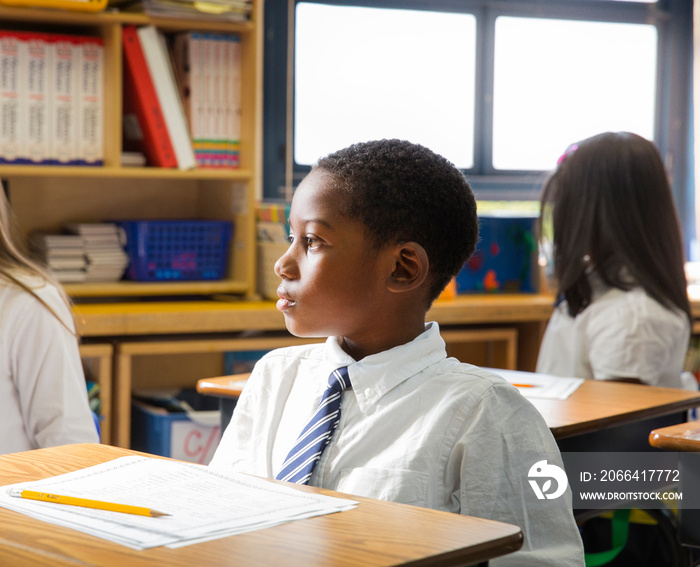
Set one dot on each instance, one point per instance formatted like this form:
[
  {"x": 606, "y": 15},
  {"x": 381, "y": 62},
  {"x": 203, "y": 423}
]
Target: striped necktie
[{"x": 313, "y": 439}]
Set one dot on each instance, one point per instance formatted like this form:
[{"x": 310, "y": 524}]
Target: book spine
[
  {"x": 197, "y": 94},
  {"x": 141, "y": 104},
  {"x": 227, "y": 98},
  {"x": 64, "y": 55},
  {"x": 37, "y": 98},
  {"x": 91, "y": 101},
  {"x": 187, "y": 65},
  {"x": 193, "y": 59},
  {"x": 208, "y": 99},
  {"x": 181, "y": 66},
  {"x": 12, "y": 49},
  {"x": 234, "y": 116},
  {"x": 155, "y": 50},
  {"x": 273, "y": 212},
  {"x": 219, "y": 149}
]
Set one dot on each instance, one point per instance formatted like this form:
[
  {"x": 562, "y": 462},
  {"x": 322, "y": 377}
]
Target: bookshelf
[{"x": 43, "y": 197}]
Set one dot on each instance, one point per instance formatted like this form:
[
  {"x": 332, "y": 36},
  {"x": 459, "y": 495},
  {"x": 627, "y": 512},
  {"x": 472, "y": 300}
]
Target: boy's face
[{"x": 333, "y": 282}]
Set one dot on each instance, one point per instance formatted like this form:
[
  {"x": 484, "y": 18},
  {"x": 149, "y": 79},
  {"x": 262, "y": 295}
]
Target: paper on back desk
[
  {"x": 203, "y": 503},
  {"x": 541, "y": 385}
]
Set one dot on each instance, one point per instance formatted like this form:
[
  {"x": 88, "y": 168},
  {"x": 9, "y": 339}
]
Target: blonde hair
[{"x": 14, "y": 262}]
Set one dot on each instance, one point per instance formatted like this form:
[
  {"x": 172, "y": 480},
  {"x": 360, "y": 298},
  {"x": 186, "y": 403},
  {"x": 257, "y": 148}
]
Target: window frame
[{"x": 673, "y": 113}]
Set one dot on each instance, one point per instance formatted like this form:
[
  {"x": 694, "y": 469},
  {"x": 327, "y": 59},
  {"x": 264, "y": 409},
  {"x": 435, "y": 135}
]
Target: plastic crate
[
  {"x": 183, "y": 250},
  {"x": 188, "y": 436}
]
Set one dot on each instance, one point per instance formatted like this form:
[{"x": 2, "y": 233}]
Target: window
[
  {"x": 559, "y": 81},
  {"x": 498, "y": 87},
  {"x": 367, "y": 73}
]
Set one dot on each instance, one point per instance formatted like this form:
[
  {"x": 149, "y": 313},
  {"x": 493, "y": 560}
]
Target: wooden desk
[
  {"x": 680, "y": 437},
  {"x": 376, "y": 533},
  {"x": 228, "y": 389},
  {"x": 608, "y": 409},
  {"x": 684, "y": 438},
  {"x": 614, "y": 416}
]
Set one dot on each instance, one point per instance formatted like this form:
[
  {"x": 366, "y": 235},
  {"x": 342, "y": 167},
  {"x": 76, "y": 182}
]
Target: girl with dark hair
[
  {"x": 43, "y": 397},
  {"x": 622, "y": 309}
]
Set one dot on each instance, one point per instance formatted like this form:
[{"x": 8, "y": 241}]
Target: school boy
[{"x": 377, "y": 231}]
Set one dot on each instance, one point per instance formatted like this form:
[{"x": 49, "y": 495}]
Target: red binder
[{"x": 141, "y": 101}]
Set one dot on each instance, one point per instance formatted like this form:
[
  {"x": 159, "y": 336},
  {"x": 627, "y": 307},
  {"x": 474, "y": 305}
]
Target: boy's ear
[{"x": 410, "y": 267}]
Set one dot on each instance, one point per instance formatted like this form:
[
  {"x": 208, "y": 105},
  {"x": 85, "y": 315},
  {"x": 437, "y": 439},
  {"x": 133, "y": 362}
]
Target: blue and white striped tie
[{"x": 313, "y": 439}]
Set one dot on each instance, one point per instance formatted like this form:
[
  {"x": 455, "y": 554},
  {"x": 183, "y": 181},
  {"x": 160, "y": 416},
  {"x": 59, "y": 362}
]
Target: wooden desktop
[
  {"x": 375, "y": 533},
  {"x": 685, "y": 439},
  {"x": 597, "y": 405}
]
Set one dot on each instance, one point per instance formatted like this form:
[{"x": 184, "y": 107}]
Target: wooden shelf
[
  {"x": 122, "y": 289},
  {"x": 41, "y": 16},
  {"x": 45, "y": 197},
  {"x": 124, "y": 172}
]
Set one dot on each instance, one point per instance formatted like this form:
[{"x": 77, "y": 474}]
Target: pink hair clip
[{"x": 570, "y": 150}]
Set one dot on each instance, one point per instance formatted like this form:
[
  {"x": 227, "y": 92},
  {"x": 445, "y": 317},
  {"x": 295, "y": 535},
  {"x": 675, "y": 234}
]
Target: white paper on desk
[
  {"x": 540, "y": 385},
  {"x": 203, "y": 503}
]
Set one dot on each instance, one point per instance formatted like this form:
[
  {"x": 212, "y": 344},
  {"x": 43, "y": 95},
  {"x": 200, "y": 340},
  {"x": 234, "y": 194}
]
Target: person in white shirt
[
  {"x": 622, "y": 308},
  {"x": 377, "y": 231},
  {"x": 43, "y": 395}
]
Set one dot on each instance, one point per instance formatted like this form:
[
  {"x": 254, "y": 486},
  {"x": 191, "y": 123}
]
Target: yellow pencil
[{"x": 84, "y": 502}]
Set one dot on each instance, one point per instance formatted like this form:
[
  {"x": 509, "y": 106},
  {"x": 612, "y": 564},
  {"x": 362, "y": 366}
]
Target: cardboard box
[{"x": 187, "y": 435}]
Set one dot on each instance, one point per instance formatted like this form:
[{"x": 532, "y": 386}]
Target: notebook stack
[
  {"x": 230, "y": 10},
  {"x": 103, "y": 245},
  {"x": 62, "y": 254}
]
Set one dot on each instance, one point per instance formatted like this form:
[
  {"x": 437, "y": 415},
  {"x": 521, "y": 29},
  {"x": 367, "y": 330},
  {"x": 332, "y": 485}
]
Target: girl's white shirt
[
  {"x": 621, "y": 334},
  {"x": 43, "y": 395}
]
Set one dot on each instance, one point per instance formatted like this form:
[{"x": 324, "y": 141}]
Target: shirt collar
[{"x": 375, "y": 375}]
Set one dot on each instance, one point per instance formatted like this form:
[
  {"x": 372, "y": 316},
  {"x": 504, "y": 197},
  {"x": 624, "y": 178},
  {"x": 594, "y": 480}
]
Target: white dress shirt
[
  {"x": 43, "y": 397},
  {"x": 417, "y": 428},
  {"x": 621, "y": 334}
]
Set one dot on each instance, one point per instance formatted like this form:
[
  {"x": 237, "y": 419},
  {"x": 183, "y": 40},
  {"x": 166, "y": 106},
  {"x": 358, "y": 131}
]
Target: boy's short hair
[{"x": 404, "y": 192}]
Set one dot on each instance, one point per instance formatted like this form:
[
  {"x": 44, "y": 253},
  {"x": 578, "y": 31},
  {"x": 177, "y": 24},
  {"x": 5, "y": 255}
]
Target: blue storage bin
[
  {"x": 190, "y": 437},
  {"x": 182, "y": 250},
  {"x": 505, "y": 259}
]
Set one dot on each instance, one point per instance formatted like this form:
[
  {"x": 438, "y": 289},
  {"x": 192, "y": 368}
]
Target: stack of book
[
  {"x": 231, "y": 10},
  {"x": 51, "y": 98},
  {"x": 62, "y": 254},
  {"x": 154, "y": 118},
  {"x": 182, "y": 105},
  {"x": 208, "y": 72},
  {"x": 104, "y": 249}
]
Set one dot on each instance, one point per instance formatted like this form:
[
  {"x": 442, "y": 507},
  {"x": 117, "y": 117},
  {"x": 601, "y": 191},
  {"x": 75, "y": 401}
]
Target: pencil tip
[{"x": 157, "y": 514}]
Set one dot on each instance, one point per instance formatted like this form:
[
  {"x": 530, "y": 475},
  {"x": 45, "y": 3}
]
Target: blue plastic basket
[{"x": 182, "y": 250}]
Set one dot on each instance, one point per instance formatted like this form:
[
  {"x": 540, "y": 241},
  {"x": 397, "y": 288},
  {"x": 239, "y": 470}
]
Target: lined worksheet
[{"x": 202, "y": 504}]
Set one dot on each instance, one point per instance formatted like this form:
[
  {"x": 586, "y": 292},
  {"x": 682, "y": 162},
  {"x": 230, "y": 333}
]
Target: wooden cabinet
[
  {"x": 43, "y": 197},
  {"x": 97, "y": 362}
]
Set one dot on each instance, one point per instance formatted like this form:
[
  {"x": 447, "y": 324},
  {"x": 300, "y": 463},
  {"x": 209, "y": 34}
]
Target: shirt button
[{"x": 369, "y": 392}]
